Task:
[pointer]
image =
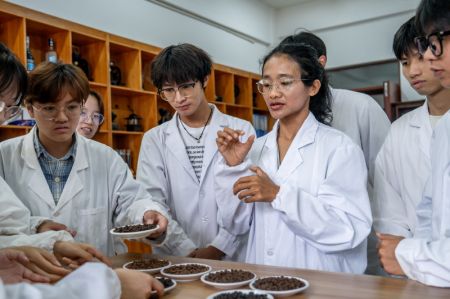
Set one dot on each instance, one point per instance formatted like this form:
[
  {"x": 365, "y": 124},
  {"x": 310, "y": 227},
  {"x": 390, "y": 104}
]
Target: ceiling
[{"x": 283, "y": 3}]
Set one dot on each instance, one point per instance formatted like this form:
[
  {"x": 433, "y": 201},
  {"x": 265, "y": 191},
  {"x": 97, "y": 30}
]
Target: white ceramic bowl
[
  {"x": 148, "y": 270},
  {"x": 257, "y": 292},
  {"x": 168, "y": 289},
  {"x": 282, "y": 293},
  {"x": 228, "y": 285},
  {"x": 185, "y": 277},
  {"x": 134, "y": 235}
]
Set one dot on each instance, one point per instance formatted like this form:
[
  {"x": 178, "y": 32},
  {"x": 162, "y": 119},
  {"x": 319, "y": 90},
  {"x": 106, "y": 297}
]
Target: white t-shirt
[
  {"x": 195, "y": 149},
  {"x": 434, "y": 119}
]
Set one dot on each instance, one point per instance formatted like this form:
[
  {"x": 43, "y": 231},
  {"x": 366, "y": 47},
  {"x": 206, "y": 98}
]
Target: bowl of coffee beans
[
  {"x": 186, "y": 271},
  {"x": 149, "y": 266},
  {"x": 136, "y": 231},
  {"x": 169, "y": 284},
  {"x": 228, "y": 278},
  {"x": 280, "y": 286},
  {"x": 240, "y": 294}
]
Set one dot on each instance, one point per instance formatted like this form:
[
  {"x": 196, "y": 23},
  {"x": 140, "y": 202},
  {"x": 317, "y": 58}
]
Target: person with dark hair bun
[
  {"x": 302, "y": 186},
  {"x": 177, "y": 158}
]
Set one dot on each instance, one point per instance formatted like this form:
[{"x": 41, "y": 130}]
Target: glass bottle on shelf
[
  {"x": 30, "y": 58},
  {"x": 51, "y": 55}
]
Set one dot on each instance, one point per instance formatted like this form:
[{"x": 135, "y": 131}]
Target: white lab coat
[
  {"x": 165, "y": 170},
  {"x": 402, "y": 168},
  {"x": 15, "y": 224},
  {"x": 362, "y": 119},
  {"x": 90, "y": 281},
  {"x": 426, "y": 257},
  {"x": 321, "y": 217},
  {"x": 99, "y": 194}
]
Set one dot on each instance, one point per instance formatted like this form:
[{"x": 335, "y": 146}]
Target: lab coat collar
[
  {"x": 421, "y": 121},
  {"x": 37, "y": 182},
  {"x": 293, "y": 158}
]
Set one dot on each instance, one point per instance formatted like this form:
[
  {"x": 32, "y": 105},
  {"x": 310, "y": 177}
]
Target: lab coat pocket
[{"x": 93, "y": 227}]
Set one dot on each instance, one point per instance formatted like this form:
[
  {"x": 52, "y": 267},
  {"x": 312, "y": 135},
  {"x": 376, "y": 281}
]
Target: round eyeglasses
[
  {"x": 284, "y": 85},
  {"x": 96, "y": 118},
  {"x": 50, "y": 112},
  {"x": 11, "y": 111},
  {"x": 432, "y": 41}
]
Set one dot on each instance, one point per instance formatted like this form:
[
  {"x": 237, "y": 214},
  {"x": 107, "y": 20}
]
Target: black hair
[
  {"x": 433, "y": 15},
  {"x": 12, "y": 72},
  {"x": 49, "y": 81},
  {"x": 311, "y": 70},
  {"x": 179, "y": 64},
  {"x": 99, "y": 100},
  {"x": 403, "y": 43},
  {"x": 307, "y": 38}
]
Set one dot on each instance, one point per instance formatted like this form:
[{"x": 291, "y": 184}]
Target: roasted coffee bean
[
  {"x": 134, "y": 228},
  {"x": 186, "y": 269},
  {"x": 166, "y": 282},
  {"x": 280, "y": 283},
  {"x": 229, "y": 276},
  {"x": 147, "y": 264},
  {"x": 240, "y": 295}
]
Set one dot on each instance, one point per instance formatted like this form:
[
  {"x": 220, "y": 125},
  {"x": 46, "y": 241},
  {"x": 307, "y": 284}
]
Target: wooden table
[{"x": 322, "y": 284}]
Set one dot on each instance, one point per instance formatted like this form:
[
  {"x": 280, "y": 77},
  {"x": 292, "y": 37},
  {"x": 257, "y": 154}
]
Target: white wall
[
  {"x": 355, "y": 31},
  {"x": 146, "y": 22}
]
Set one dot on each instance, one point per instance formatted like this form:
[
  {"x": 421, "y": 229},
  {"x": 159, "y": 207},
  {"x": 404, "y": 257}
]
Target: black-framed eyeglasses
[
  {"x": 433, "y": 41},
  {"x": 169, "y": 93}
]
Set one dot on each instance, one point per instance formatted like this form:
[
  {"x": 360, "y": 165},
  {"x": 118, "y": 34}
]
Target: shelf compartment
[
  {"x": 128, "y": 61},
  {"x": 224, "y": 86},
  {"x": 257, "y": 98},
  {"x": 130, "y": 142},
  {"x": 103, "y": 137},
  {"x": 240, "y": 111},
  {"x": 94, "y": 51},
  {"x": 40, "y": 33},
  {"x": 7, "y": 132},
  {"x": 242, "y": 90},
  {"x": 12, "y": 33},
  {"x": 147, "y": 59},
  {"x": 123, "y": 104}
]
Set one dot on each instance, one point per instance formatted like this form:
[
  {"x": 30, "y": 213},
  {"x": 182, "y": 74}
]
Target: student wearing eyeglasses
[
  {"x": 303, "y": 186},
  {"x": 425, "y": 257},
  {"x": 177, "y": 159},
  {"x": 403, "y": 164},
  {"x": 80, "y": 183},
  {"x": 91, "y": 117}
]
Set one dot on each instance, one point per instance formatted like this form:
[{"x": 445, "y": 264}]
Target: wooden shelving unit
[{"x": 233, "y": 91}]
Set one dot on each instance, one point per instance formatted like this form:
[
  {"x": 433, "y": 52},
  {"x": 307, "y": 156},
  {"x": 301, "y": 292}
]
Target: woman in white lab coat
[
  {"x": 99, "y": 191},
  {"x": 308, "y": 181}
]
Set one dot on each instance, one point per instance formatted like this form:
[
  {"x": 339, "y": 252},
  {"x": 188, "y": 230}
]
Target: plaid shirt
[{"x": 56, "y": 171}]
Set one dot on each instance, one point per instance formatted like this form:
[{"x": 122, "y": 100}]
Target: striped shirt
[{"x": 56, "y": 171}]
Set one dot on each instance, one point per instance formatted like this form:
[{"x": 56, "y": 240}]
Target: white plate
[
  {"x": 166, "y": 290},
  {"x": 256, "y": 292},
  {"x": 134, "y": 235},
  {"x": 185, "y": 277},
  {"x": 282, "y": 293},
  {"x": 228, "y": 285},
  {"x": 149, "y": 271}
]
